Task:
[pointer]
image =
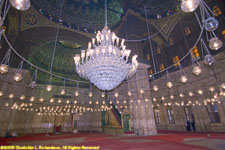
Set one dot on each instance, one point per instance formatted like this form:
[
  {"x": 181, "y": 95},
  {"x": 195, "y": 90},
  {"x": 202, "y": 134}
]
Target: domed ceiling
[{"x": 81, "y": 14}]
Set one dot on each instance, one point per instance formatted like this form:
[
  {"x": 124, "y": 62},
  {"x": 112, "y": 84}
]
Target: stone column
[{"x": 142, "y": 117}]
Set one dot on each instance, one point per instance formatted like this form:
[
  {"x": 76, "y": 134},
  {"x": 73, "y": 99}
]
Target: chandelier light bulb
[
  {"x": 116, "y": 94},
  {"x": 183, "y": 79},
  {"x": 155, "y": 88},
  {"x": 63, "y": 92},
  {"x": 211, "y": 24},
  {"x": 163, "y": 98},
  {"x": 1, "y": 93},
  {"x": 4, "y": 69},
  {"x": 169, "y": 84},
  {"x": 48, "y": 88},
  {"x": 215, "y": 43},
  {"x": 17, "y": 77},
  {"x": 20, "y": 4},
  {"x": 209, "y": 60},
  {"x": 171, "y": 96},
  {"x": 189, "y": 5},
  {"x": 196, "y": 70},
  {"x": 59, "y": 101}
]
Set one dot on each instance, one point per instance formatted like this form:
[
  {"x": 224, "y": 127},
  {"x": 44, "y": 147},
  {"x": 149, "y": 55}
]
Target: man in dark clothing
[
  {"x": 193, "y": 125},
  {"x": 188, "y": 126}
]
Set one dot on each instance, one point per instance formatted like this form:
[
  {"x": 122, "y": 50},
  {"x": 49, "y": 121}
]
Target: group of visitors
[{"x": 9, "y": 134}]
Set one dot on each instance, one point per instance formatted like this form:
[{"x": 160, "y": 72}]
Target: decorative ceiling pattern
[{"x": 81, "y": 14}]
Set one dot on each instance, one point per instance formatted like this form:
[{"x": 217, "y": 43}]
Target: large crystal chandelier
[{"x": 105, "y": 62}]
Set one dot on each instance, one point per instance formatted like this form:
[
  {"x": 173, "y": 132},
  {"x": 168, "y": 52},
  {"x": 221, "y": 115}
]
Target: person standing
[{"x": 188, "y": 126}]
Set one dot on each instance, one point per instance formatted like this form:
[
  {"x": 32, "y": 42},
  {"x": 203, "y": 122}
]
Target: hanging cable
[{"x": 56, "y": 38}]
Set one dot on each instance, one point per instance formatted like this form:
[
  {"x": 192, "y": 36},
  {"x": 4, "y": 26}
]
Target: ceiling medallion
[{"x": 105, "y": 62}]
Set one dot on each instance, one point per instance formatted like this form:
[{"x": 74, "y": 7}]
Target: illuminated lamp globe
[
  {"x": 190, "y": 94},
  {"x": 49, "y": 88},
  {"x": 211, "y": 89},
  {"x": 215, "y": 43},
  {"x": 155, "y": 88},
  {"x": 4, "y": 68},
  {"x": 90, "y": 94},
  {"x": 183, "y": 79},
  {"x": 116, "y": 94},
  {"x": 129, "y": 93},
  {"x": 22, "y": 97},
  {"x": 76, "y": 93},
  {"x": 20, "y": 4},
  {"x": 17, "y": 77},
  {"x": 200, "y": 92},
  {"x": 196, "y": 70},
  {"x": 141, "y": 91},
  {"x": 33, "y": 84},
  {"x": 63, "y": 92},
  {"x": 209, "y": 60},
  {"x": 211, "y": 24},
  {"x": 189, "y": 5},
  {"x": 169, "y": 84}
]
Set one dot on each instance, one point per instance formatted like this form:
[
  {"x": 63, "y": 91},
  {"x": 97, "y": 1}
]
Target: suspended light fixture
[
  {"x": 183, "y": 79},
  {"x": 211, "y": 89},
  {"x": 222, "y": 85},
  {"x": 106, "y": 62},
  {"x": 190, "y": 94},
  {"x": 155, "y": 88},
  {"x": 63, "y": 92},
  {"x": 169, "y": 84},
  {"x": 116, "y": 94},
  {"x": 17, "y": 77},
  {"x": 5, "y": 62},
  {"x": 33, "y": 80},
  {"x": 171, "y": 96},
  {"x": 200, "y": 92},
  {"x": 189, "y": 5},
  {"x": 20, "y": 4},
  {"x": 197, "y": 70},
  {"x": 11, "y": 95},
  {"x": 90, "y": 94},
  {"x": 181, "y": 95},
  {"x": 103, "y": 95},
  {"x": 22, "y": 97},
  {"x": 129, "y": 93},
  {"x": 211, "y": 24},
  {"x": 49, "y": 88},
  {"x": 215, "y": 43},
  {"x": 208, "y": 58},
  {"x": 141, "y": 91}
]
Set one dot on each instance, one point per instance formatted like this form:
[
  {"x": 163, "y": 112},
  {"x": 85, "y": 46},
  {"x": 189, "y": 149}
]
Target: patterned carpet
[{"x": 162, "y": 141}]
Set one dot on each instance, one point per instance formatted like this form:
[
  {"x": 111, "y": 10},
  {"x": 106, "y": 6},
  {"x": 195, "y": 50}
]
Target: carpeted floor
[{"x": 162, "y": 141}]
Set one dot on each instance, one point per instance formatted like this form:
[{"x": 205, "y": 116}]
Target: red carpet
[{"x": 166, "y": 141}]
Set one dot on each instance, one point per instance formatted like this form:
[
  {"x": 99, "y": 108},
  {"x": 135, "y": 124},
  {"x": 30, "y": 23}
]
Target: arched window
[
  {"x": 176, "y": 61},
  {"x": 216, "y": 10},
  {"x": 161, "y": 67},
  {"x": 195, "y": 52}
]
